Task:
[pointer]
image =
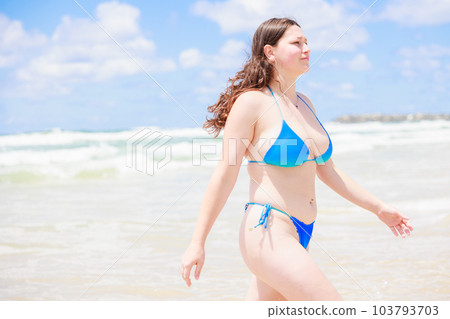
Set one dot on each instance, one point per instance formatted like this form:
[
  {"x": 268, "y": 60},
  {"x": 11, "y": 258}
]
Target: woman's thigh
[
  {"x": 276, "y": 258},
  {"x": 261, "y": 291}
]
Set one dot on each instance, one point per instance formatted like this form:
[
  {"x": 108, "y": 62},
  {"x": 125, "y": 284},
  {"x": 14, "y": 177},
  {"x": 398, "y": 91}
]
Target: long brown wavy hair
[{"x": 256, "y": 73}]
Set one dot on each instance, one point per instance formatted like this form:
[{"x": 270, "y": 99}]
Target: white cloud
[
  {"x": 80, "y": 51},
  {"x": 417, "y": 12},
  {"x": 210, "y": 89},
  {"x": 190, "y": 58},
  {"x": 230, "y": 55},
  {"x": 432, "y": 60},
  {"x": 15, "y": 41},
  {"x": 215, "y": 67},
  {"x": 121, "y": 20},
  {"x": 360, "y": 63},
  {"x": 322, "y": 22}
]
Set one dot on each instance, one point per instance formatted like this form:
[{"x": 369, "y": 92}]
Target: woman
[{"x": 276, "y": 129}]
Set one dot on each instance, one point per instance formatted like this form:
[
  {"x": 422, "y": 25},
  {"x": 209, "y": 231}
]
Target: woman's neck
[{"x": 283, "y": 86}]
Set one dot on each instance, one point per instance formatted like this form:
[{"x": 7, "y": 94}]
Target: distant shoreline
[
  {"x": 390, "y": 117},
  {"x": 344, "y": 119}
]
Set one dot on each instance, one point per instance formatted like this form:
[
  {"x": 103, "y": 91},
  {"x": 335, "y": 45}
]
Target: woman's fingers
[
  {"x": 399, "y": 228},
  {"x": 186, "y": 273},
  {"x": 405, "y": 222},
  {"x": 397, "y": 223},
  {"x": 194, "y": 256},
  {"x": 393, "y": 231},
  {"x": 405, "y": 226},
  {"x": 198, "y": 269},
  {"x": 403, "y": 229},
  {"x": 408, "y": 228}
]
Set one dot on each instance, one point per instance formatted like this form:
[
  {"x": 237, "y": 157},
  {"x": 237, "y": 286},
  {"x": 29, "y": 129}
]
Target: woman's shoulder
[
  {"x": 246, "y": 109},
  {"x": 252, "y": 97},
  {"x": 249, "y": 102}
]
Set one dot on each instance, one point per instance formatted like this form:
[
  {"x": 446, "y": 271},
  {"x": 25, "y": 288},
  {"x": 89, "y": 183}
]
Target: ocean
[{"x": 108, "y": 215}]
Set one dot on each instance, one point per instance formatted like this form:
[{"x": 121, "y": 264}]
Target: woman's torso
[{"x": 291, "y": 189}]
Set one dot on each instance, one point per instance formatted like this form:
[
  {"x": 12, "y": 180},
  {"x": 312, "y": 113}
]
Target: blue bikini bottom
[{"x": 304, "y": 230}]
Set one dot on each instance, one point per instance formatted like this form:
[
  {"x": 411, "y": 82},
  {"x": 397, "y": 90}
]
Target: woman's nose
[{"x": 306, "y": 48}]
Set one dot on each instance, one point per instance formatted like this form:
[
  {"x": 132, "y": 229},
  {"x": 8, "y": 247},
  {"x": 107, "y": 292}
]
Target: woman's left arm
[{"x": 342, "y": 184}]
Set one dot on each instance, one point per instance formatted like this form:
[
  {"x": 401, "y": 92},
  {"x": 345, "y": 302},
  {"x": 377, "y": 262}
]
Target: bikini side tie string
[{"x": 264, "y": 215}]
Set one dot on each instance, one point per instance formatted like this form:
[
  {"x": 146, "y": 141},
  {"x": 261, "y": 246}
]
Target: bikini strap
[
  {"x": 276, "y": 101},
  {"x": 314, "y": 115}
]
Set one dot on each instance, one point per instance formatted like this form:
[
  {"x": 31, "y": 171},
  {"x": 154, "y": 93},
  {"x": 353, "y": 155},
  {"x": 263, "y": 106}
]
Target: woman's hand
[
  {"x": 194, "y": 255},
  {"x": 398, "y": 223}
]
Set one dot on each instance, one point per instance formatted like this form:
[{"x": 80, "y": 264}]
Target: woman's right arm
[{"x": 238, "y": 130}]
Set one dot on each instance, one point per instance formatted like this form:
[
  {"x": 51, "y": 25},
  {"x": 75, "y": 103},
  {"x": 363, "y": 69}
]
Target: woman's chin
[{"x": 304, "y": 70}]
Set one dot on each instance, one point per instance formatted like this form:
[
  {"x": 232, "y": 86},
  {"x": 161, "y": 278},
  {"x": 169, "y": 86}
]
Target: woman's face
[{"x": 292, "y": 52}]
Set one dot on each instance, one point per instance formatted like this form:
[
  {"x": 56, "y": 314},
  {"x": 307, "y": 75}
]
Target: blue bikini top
[{"x": 289, "y": 150}]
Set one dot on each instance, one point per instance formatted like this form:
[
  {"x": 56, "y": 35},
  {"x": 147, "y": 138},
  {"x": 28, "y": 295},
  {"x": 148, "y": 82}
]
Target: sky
[{"x": 113, "y": 65}]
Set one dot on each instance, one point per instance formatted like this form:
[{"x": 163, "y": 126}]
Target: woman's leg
[
  {"x": 261, "y": 291},
  {"x": 275, "y": 256}
]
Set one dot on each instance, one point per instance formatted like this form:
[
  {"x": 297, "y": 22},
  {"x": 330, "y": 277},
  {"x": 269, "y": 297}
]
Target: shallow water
[{"x": 81, "y": 224}]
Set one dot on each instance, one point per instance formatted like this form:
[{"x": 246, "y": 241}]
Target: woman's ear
[{"x": 268, "y": 52}]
